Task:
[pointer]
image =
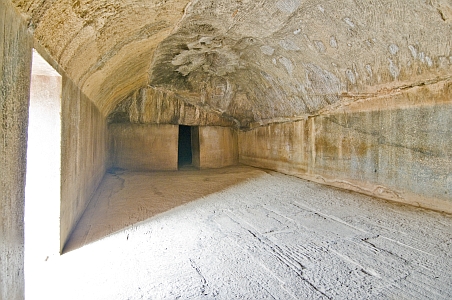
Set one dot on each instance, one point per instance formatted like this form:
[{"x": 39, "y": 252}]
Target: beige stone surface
[
  {"x": 152, "y": 106},
  {"x": 15, "y": 71},
  {"x": 245, "y": 233},
  {"x": 147, "y": 147},
  {"x": 253, "y": 61},
  {"x": 143, "y": 147},
  {"x": 268, "y": 60},
  {"x": 218, "y": 147},
  {"x": 84, "y": 148},
  {"x": 351, "y": 93},
  {"x": 125, "y": 198},
  {"x": 384, "y": 146},
  {"x": 105, "y": 47},
  {"x": 84, "y": 154}
]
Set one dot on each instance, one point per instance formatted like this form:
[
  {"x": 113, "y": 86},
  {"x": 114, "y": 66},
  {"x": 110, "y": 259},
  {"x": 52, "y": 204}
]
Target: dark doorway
[{"x": 185, "y": 152}]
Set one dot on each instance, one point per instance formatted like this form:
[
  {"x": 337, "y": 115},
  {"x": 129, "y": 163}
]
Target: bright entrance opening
[{"x": 42, "y": 190}]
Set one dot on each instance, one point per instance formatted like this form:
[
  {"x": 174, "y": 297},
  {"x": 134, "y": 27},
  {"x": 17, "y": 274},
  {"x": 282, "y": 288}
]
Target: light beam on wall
[{"x": 42, "y": 190}]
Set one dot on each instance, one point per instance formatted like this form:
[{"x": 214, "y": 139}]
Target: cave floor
[{"x": 246, "y": 233}]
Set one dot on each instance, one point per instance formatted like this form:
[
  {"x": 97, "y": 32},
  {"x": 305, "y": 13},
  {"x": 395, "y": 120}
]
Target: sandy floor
[{"x": 243, "y": 233}]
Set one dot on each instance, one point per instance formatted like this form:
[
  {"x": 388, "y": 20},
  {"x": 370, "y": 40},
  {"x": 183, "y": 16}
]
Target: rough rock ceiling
[
  {"x": 253, "y": 61},
  {"x": 105, "y": 46}
]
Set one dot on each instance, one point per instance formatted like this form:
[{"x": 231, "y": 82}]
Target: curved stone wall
[
  {"x": 353, "y": 91},
  {"x": 255, "y": 62}
]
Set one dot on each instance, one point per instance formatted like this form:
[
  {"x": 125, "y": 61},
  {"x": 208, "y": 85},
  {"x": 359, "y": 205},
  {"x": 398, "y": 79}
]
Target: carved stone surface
[
  {"x": 151, "y": 147},
  {"x": 15, "y": 70},
  {"x": 151, "y": 106},
  {"x": 354, "y": 93},
  {"x": 253, "y": 61},
  {"x": 384, "y": 146},
  {"x": 260, "y": 61},
  {"x": 105, "y": 46},
  {"x": 246, "y": 233},
  {"x": 143, "y": 147}
]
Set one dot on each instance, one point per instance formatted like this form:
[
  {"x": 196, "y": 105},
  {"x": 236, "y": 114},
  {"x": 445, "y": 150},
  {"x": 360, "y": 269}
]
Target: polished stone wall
[
  {"x": 143, "y": 147},
  {"x": 15, "y": 72},
  {"x": 147, "y": 147},
  {"x": 396, "y": 146},
  {"x": 218, "y": 147},
  {"x": 84, "y": 154}
]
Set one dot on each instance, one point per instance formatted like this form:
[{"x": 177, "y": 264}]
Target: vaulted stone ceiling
[
  {"x": 105, "y": 46},
  {"x": 251, "y": 61}
]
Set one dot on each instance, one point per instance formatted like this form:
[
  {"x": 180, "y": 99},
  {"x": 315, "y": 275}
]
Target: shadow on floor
[{"x": 125, "y": 198}]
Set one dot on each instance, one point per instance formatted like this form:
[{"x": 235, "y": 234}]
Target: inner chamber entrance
[{"x": 188, "y": 146}]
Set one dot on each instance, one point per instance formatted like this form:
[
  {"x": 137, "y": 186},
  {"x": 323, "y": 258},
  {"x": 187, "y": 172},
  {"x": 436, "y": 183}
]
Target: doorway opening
[
  {"x": 185, "y": 150},
  {"x": 43, "y": 177},
  {"x": 188, "y": 147}
]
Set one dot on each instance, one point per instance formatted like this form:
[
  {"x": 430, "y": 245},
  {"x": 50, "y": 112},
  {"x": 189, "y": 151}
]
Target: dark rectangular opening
[{"x": 185, "y": 153}]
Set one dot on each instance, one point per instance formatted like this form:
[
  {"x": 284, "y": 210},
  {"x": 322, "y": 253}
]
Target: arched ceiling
[
  {"x": 105, "y": 46},
  {"x": 250, "y": 60}
]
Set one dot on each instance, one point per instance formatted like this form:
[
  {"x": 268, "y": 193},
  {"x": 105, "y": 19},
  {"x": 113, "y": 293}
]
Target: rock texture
[
  {"x": 356, "y": 90},
  {"x": 151, "y": 147},
  {"x": 106, "y": 47},
  {"x": 151, "y": 106},
  {"x": 217, "y": 147},
  {"x": 395, "y": 146},
  {"x": 258, "y": 61},
  {"x": 84, "y": 153},
  {"x": 143, "y": 147},
  {"x": 253, "y": 61},
  {"x": 15, "y": 70},
  {"x": 286, "y": 239}
]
